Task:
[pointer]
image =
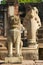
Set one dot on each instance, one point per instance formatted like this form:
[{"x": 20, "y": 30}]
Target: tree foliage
[{"x": 30, "y": 1}]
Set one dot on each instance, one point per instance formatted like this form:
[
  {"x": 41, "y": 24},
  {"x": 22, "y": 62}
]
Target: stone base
[
  {"x": 13, "y": 59},
  {"x": 33, "y": 45},
  {"x": 32, "y": 53},
  {"x": 25, "y": 62},
  {"x": 29, "y": 53}
]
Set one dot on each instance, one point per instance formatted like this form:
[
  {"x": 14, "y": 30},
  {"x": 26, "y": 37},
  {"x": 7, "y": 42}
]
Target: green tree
[
  {"x": 3, "y": 2},
  {"x": 29, "y": 1}
]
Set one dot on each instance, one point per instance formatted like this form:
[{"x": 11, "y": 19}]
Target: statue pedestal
[
  {"x": 13, "y": 59},
  {"x": 33, "y": 52}
]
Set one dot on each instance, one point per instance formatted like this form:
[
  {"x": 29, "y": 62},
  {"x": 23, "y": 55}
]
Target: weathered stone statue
[
  {"x": 14, "y": 32},
  {"x": 32, "y": 23},
  {"x": 14, "y": 35}
]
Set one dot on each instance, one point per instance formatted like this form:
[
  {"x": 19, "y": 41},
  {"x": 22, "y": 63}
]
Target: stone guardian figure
[
  {"x": 14, "y": 31},
  {"x": 32, "y": 23}
]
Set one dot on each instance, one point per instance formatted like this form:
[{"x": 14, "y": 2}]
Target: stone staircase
[
  {"x": 40, "y": 34},
  {"x": 40, "y": 42}
]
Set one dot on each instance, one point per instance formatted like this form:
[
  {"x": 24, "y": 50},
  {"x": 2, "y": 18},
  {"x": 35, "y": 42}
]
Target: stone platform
[
  {"x": 13, "y": 59},
  {"x": 25, "y": 62},
  {"x": 28, "y": 53}
]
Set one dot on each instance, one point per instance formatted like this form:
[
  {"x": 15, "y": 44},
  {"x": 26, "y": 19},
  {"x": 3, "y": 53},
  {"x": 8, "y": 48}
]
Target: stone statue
[
  {"x": 32, "y": 23},
  {"x": 14, "y": 31}
]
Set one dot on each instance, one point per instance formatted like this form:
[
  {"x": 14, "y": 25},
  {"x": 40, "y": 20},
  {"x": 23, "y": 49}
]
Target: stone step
[
  {"x": 39, "y": 62},
  {"x": 40, "y": 35},
  {"x": 40, "y": 40},
  {"x": 40, "y": 32},
  {"x": 40, "y": 46},
  {"x": 25, "y": 62}
]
